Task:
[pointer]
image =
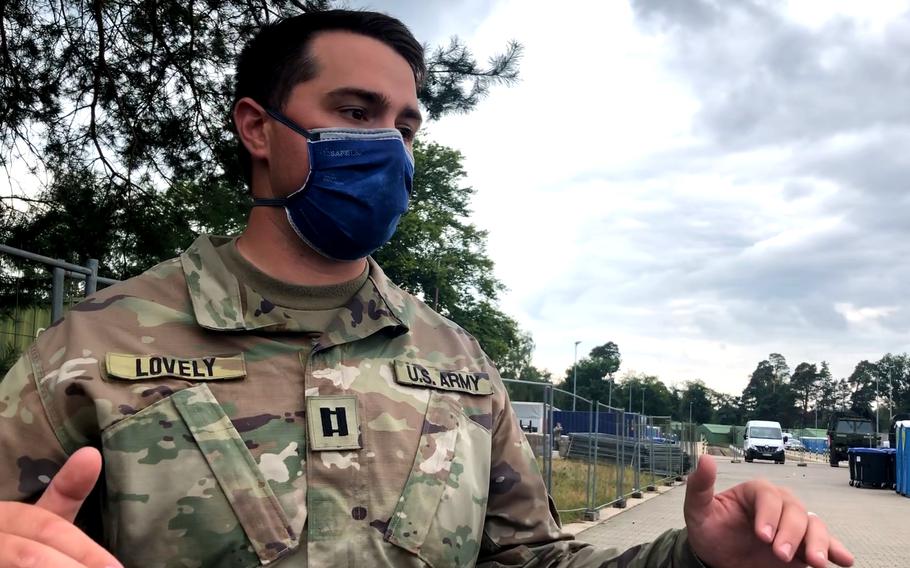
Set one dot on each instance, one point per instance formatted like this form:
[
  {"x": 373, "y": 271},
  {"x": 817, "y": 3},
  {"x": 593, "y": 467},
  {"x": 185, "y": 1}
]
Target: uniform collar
[{"x": 222, "y": 303}]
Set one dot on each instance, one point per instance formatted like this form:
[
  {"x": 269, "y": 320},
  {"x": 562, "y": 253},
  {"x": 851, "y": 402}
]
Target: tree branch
[{"x": 96, "y": 87}]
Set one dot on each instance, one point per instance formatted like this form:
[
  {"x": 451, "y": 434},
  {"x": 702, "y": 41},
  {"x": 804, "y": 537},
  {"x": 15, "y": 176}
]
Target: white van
[{"x": 763, "y": 440}]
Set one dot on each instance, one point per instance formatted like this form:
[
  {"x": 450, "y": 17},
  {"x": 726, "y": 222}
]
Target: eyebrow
[{"x": 375, "y": 99}]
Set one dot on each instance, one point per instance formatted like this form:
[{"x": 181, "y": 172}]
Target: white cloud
[
  {"x": 702, "y": 182},
  {"x": 857, "y": 315}
]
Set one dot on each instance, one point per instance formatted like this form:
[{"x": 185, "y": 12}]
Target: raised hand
[
  {"x": 755, "y": 524},
  {"x": 43, "y": 534}
]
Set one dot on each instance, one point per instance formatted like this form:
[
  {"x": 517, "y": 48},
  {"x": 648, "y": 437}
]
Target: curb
[{"x": 608, "y": 513}]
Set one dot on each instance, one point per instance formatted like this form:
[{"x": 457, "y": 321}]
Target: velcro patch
[
  {"x": 332, "y": 423},
  {"x": 414, "y": 375},
  {"x": 142, "y": 367}
]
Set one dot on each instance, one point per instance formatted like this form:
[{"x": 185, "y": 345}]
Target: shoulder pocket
[
  {"x": 440, "y": 513},
  {"x": 184, "y": 489}
]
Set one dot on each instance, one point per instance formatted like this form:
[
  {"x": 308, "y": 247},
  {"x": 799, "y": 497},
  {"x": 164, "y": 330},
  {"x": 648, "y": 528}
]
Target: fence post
[
  {"x": 550, "y": 461},
  {"x": 735, "y": 447},
  {"x": 682, "y": 445},
  {"x": 688, "y": 430},
  {"x": 696, "y": 446},
  {"x": 651, "y": 487},
  {"x": 621, "y": 459},
  {"x": 57, "y": 295},
  {"x": 596, "y": 445},
  {"x": 548, "y": 440},
  {"x": 591, "y": 513},
  {"x": 588, "y": 487},
  {"x": 693, "y": 461},
  {"x": 636, "y": 487},
  {"x": 91, "y": 281}
]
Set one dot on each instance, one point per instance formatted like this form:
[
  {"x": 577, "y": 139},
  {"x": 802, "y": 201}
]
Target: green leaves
[
  {"x": 455, "y": 83},
  {"x": 591, "y": 374},
  {"x": 122, "y": 113}
]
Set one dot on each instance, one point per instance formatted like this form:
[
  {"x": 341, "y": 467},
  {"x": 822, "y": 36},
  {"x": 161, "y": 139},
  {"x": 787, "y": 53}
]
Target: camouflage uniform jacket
[{"x": 232, "y": 438}]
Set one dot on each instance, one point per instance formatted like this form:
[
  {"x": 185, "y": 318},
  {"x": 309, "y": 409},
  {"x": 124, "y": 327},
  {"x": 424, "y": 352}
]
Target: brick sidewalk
[{"x": 872, "y": 523}]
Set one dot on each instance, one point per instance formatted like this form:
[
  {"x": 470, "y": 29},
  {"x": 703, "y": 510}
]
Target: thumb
[
  {"x": 72, "y": 484},
  {"x": 700, "y": 490}
]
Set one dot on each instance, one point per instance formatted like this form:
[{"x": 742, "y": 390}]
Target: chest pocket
[
  {"x": 441, "y": 511},
  {"x": 183, "y": 490}
]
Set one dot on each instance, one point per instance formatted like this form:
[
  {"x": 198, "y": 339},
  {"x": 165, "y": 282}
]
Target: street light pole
[
  {"x": 690, "y": 412},
  {"x": 642, "y": 401},
  {"x": 575, "y": 376},
  {"x": 876, "y": 407}
]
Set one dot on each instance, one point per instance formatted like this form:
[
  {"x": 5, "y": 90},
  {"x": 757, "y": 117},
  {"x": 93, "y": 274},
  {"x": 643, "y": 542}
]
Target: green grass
[{"x": 570, "y": 479}]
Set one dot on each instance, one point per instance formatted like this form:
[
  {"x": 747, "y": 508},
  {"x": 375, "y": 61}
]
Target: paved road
[{"x": 872, "y": 523}]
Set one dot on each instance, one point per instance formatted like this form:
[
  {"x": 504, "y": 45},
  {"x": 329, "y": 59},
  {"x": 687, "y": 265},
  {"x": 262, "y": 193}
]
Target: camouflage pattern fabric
[{"x": 196, "y": 389}]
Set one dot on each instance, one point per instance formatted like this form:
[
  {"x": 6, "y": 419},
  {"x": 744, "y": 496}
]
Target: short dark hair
[{"x": 277, "y": 58}]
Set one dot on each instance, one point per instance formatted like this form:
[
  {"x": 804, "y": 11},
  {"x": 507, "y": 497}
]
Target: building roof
[
  {"x": 813, "y": 433},
  {"x": 717, "y": 428}
]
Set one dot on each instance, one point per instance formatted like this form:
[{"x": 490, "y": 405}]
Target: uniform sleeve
[
  {"x": 522, "y": 527},
  {"x": 30, "y": 452}
]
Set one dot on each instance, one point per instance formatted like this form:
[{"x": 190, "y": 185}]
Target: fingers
[
  {"x": 768, "y": 504},
  {"x": 819, "y": 547},
  {"x": 72, "y": 484},
  {"x": 700, "y": 490},
  {"x": 43, "y": 529},
  {"x": 816, "y": 542},
  {"x": 805, "y": 533},
  {"x": 16, "y": 551},
  {"x": 794, "y": 520},
  {"x": 839, "y": 554}
]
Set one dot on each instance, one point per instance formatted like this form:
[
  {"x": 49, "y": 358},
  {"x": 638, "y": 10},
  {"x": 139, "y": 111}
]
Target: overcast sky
[{"x": 703, "y": 183}]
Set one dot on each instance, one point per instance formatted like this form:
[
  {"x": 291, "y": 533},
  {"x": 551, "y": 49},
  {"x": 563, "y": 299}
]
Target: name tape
[
  {"x": 414, "y": 375},
  {"x": 141, "y": 367}
]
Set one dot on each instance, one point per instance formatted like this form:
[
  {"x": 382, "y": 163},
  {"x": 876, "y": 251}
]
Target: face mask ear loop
[
  {"x": 269, "y": 202},
  {"x": 310, "y": 136},
  {"x": 313, "y": 136}
]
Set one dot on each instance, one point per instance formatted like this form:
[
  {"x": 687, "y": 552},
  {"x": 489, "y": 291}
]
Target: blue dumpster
[{"x": 871, "y": 467}]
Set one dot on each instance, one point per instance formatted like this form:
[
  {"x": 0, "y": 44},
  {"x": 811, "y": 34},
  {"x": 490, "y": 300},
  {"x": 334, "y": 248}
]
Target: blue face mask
[{"x": 357, "y": 189}]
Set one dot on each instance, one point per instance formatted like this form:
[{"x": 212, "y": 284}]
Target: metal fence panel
[{"x": 23, "y": 317}]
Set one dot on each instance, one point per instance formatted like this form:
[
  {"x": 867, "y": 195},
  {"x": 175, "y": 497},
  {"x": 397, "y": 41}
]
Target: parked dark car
[{"x": 847, "y": 431}]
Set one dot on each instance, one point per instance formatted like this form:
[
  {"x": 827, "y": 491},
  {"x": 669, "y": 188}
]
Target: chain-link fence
[{"x": 598, "y": 456}]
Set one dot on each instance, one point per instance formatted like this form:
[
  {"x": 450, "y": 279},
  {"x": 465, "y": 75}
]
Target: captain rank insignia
[{"x": 333, "y": 423}]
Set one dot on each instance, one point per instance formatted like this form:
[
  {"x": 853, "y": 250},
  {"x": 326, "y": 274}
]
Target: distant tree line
[
  {"x": 796, "y": 399},
  {"x": 800, "y": 398}
]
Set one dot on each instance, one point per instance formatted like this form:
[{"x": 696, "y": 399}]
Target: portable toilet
[{"x": 903, "y": 457}]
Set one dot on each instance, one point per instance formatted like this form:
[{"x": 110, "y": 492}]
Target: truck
[
  {"x": 763, "y": 440},
  {"x": 847, "y": 431}
]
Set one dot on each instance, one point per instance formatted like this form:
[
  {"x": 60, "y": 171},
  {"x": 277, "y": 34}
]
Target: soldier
[{"x": 274, "y": 398}]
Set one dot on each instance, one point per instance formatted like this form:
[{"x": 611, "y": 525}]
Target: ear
[{"x": 250, "y": 122}]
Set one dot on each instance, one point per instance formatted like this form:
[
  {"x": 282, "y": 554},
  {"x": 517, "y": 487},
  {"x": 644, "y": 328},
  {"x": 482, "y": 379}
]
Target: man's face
[{"x": 360, "y": 82}]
